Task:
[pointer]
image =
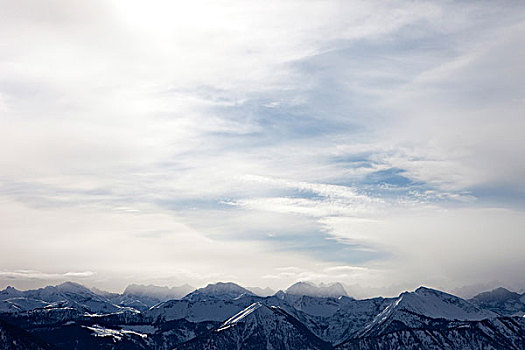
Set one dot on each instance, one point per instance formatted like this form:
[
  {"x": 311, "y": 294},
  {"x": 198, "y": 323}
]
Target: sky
[{"x": 374, "y": 143}]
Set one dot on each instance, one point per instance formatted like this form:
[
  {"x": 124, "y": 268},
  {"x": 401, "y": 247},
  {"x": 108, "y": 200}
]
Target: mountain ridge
[{"x": 226, "y": 315}]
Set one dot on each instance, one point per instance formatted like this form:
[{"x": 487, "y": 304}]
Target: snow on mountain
[
  {"x": 331, "y": 319},
  {"x": 416, "y": 309},
  {"x": 218, "y": 291},
  {"x": 74, "y": 295},
  {"x": 60, "y": 292},
  {"x": 21, "y": 304},
  {"x": 67, "y": 294},
  {"x": 258, "y": 327},
  {"x": 239, "y": 316},
  {"x": 501, "y": 301},
  {"x": 10, "y": 292},
  {"x": 496, "y": 295},
  {"x": 436, "y": 304},
  {"x": 129, "y": 301},
  {"x": 497, "y": 333},
  {"x": 315, "y": 306},
  {"x": 323, "y": 290},
  {"x": 142, "y": 297},
  {"x": 13, "y": 300},
  {"x": 200, "y": 310},
  {"x": 228, "y": 316},
  {"x": 116, "y": 334}
]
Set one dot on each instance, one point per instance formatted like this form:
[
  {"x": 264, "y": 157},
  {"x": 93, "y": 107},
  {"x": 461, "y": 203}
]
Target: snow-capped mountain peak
[
  {"x": 496, "y": 295},
  {"x": 72, "y": 287},
  {"x": 501, "y": 301},
  {"x": 259, "y": 327},
  {"x": 414, "y": 309},
  {"x": 70, "y": 294},
  {"x": 436, "y": 304},
  {"x": 218, "y": 291},
  {"x": 10, "y": 292}
]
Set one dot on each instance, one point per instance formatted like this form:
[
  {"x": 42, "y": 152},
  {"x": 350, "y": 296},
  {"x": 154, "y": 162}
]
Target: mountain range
[{"x": 228, "y": 316}]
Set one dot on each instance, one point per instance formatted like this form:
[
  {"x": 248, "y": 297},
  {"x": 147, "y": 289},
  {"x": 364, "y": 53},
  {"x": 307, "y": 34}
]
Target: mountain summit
[
  {"x": 218, "y": 291},
  {"x": 259, "y": 327},
  {"x": 414, "y": 309},
  {"x": 501, "y": 301}
]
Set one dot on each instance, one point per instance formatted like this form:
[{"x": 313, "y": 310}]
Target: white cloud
[
  {"x": 31, "y": 274},
  {"x": 175, "y": 132}
]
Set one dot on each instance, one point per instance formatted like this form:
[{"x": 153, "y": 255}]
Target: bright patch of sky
[{"x": 374, "y": 143}]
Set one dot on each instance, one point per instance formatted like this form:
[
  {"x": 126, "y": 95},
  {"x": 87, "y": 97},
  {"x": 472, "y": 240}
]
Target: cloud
[
  {"x": 31, "y": 274},
  {"x": 175, "y": 142}
]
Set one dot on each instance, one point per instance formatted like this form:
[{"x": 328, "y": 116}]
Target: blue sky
[{"x": 378, "y": 144}]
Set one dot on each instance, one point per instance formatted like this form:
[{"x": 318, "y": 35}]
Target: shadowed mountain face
[
  {"x": 501, "y": 301},
  {"x": 15, "y": 338},
  {"x": 499, "y": 333},
  {"x": 415, "y": 309},
  {"x": 259, "y": 327},
  {"x": 228, "y": 316}
]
